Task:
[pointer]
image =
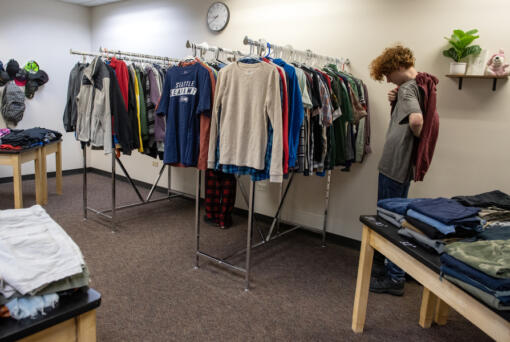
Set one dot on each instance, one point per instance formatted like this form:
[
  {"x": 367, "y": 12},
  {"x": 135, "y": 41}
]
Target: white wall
[
  {"x": 471, "y": 155},
  {"x": 45, "y": 30}
]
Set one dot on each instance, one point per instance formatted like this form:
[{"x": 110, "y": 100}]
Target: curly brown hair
[{"x": 392, "y": 59}]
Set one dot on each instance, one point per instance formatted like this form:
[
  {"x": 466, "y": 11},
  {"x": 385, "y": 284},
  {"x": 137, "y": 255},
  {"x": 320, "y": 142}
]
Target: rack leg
[
  {"x": 84, "y": 148},
  {"x": 325, "y": 223},
  {"x": 155, "y": 184},
  {"x": 249, "y": 234},
  {"x": 277, "y": 215},
  {"x": 113, "y": 190},
  {"x": 169, "y": 174},
  {"x": 197, "y": 216}
]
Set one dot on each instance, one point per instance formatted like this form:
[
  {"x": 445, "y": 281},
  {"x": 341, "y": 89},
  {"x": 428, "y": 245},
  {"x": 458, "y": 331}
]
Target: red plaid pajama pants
[{"x": 220, "y": 196}]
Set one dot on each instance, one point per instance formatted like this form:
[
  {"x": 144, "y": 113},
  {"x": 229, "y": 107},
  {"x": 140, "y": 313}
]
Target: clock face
[{"x": 217, "y": 16}]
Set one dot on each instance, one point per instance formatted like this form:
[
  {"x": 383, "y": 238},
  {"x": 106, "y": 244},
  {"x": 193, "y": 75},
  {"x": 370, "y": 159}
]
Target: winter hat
[
  {"x": 21, "y": 78},
  {"x": 31, "y": 67},
  {"x": 4, "y": 77},
  {"x": 12, "y": 68},
  {"x": 34, "y": 82}
]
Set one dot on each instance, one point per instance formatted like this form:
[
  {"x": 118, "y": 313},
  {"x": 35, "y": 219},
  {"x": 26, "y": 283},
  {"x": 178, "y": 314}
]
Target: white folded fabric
[{"x": 34, "y": 250}]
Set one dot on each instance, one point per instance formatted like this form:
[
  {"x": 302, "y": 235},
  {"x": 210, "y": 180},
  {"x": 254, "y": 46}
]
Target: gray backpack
[{"x": 13, "y": 103}]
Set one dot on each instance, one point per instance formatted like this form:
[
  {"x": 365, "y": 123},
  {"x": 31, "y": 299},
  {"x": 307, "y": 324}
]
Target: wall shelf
[{"x": 487, "y": 77}]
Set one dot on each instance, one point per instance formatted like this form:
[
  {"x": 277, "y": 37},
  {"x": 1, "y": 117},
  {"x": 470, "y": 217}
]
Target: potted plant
[{"x": 460, "y": 49}]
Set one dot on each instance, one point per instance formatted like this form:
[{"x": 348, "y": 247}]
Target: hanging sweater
[{"x": 248, "y": 95}]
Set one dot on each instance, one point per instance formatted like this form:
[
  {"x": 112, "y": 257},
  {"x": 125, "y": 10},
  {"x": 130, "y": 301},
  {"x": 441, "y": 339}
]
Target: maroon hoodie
[{"x": 424, "y": 150}]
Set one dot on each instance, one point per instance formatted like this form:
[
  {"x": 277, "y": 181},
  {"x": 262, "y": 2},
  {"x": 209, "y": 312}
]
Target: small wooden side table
[
  {"x": 15, "y": 158},
  {"x": 53, "y": 147}
]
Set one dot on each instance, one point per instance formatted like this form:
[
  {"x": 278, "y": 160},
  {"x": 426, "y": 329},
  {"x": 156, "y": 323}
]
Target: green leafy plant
[{"x": 460, "y": 41}]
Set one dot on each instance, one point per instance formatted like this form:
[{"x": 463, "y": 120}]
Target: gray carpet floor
[{"x": 150, "y": 291}]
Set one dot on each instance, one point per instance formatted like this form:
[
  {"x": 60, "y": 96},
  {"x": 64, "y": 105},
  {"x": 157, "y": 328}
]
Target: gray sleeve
[{"x": 409, "y": 101}]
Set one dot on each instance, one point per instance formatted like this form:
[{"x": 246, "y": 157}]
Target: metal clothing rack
[
  {"x": 250, "y": 200},
  {"x": 141, "y": 200},
  {"x": 308, "y": 55}
]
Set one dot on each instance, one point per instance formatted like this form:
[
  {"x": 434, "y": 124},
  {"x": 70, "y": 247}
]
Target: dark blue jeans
[{"x": 388, "y": 188}]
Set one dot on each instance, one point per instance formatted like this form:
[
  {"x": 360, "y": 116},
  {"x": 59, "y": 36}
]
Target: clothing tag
[{"x": 407, "y": 244}]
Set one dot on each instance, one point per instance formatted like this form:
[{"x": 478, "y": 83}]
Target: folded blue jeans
[
  {"x": 444, "y": 210},
  {"x": 504, "y": 299},
  {"x": 494, "y": 284}
]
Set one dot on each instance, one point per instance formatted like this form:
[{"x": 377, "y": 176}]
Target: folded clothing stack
[
  {"x": 37, "y": 258},
  {"x": 495, "y": 206},
  {"x": 19, "y": 139},
  {"x": 430, "y": 222},
  {"x": 394, "y": 209},
  {"x": 481, "y": 268},
  {"x": 4, "y": 131}
]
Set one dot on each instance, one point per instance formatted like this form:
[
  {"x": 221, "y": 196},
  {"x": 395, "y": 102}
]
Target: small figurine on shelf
[{"x": 496, "y": 64}]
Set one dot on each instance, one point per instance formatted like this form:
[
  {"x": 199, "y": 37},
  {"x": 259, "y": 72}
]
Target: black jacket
[{"x": 70, "y": 112}]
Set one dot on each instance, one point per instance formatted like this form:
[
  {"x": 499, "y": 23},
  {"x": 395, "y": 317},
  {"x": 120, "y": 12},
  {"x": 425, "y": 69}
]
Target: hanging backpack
[{"x": 13, "y": 103}]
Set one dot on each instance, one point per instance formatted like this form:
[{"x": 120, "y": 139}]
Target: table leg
[
  {"x": 442, "y": 309},
  {"x": 363, "y": 282},
  {"x": 44, "y": 177},
  {"x": 16, "y": 175},
  {"x": 39, "y": 190},
  {"x": 86, "y": 326},
  {"x": 58, "y": 168},
  {"x": 428, "y": 307}
]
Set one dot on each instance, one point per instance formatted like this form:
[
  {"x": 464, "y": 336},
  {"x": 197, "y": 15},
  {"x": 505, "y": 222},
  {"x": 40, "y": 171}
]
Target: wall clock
[{"x": 218, "y": 16}]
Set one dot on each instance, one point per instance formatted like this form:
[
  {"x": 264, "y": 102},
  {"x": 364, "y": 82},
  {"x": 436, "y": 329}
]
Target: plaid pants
[{"x": 220, "y": 196}]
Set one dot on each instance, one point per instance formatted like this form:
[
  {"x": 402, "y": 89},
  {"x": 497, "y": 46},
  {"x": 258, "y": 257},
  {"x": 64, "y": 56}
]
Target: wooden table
[
  {"x": 52, "y": 147},
  {"x": 73, "y": 319},
  {"x": 15, "y": 158},
  {"x": 38, "y": 154},
  {"x": 438, "y": 294}
]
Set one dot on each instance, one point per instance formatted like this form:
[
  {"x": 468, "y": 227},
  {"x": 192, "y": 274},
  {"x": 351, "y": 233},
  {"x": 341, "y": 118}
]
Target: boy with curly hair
[{"x": 396, "y": 65}]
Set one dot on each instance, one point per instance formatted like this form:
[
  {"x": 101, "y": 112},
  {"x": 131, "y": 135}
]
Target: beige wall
[{"x": 471, "y": 155}]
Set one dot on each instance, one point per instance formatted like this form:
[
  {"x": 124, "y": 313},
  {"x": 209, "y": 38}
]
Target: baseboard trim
[{"x": 50, "y": 175}]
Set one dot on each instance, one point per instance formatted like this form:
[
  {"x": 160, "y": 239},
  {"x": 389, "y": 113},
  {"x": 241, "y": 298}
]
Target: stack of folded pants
[
  {"x": 432, "y": 223},
  {"x": 481, "y": 268},
  {"x": 37, "y": 259},
  {"x": 394, "y": 209}
]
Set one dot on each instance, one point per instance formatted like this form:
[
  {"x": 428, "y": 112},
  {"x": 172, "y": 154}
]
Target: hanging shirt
[
  {"x": 285, "y": 114},
  {"x": 296, "y": 109},
  {"x": 122, "y": 77},
  {"x": 248, "y": 95},
  {"x": 186, "y": 95}
]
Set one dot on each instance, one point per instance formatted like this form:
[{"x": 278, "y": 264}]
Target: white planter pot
[{"x": 458, "y": 68}]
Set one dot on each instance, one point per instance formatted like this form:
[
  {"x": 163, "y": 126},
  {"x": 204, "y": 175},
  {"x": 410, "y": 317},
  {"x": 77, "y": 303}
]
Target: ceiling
[{"x": 90, "y": 3}]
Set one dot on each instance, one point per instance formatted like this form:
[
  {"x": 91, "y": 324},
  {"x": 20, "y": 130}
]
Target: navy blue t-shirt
[{"x": 186, "y": 94}]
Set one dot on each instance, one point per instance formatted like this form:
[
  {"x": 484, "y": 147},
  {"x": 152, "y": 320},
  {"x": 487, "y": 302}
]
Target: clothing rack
[
  {"x": 274, "y": 230},
  {"x": 204, "y": 47},
  {"x": 262, "y": 45},
  {"x": 123, "y": 54},
  {"x": 114, "y": 159},
  {"x": 111, "y": 54}
]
